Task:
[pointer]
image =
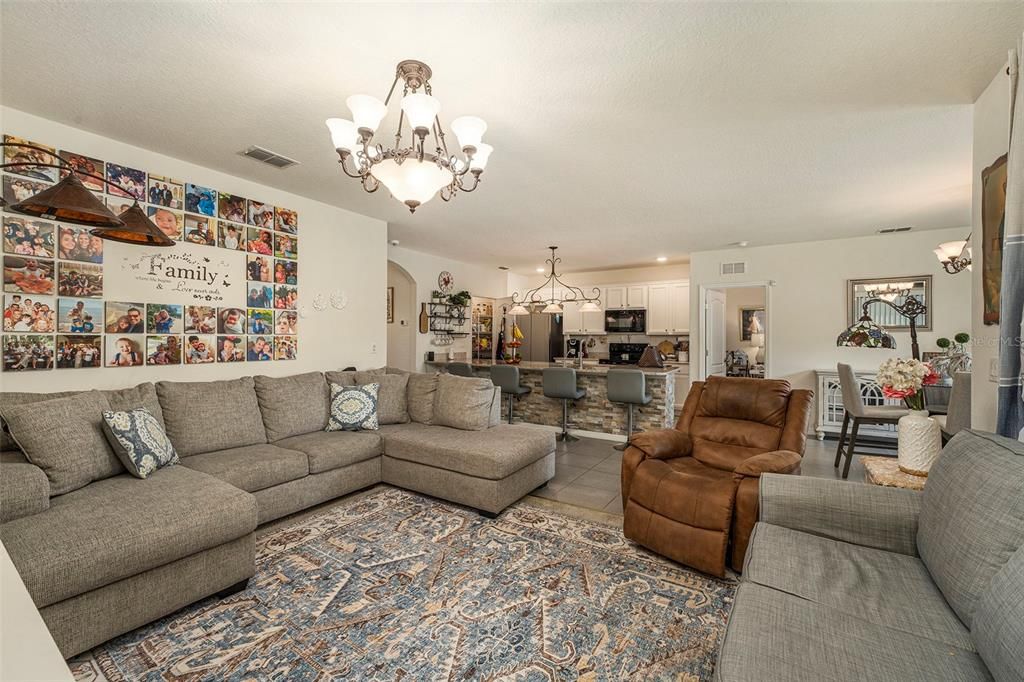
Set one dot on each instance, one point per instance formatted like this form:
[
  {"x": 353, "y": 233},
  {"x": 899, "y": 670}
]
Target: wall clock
[{"x": 445, "y": 281}]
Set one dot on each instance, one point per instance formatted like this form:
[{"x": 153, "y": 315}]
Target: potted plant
[
  {"x": 956, "y": 357},
  {"x": 461, "y": 298},
  {"x": 920, "y": 438}
]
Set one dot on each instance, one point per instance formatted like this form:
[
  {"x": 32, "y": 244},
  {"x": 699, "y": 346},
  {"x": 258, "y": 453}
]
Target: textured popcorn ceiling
[{"x": 761, "y": 122}]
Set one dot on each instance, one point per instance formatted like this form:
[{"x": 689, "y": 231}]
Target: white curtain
[{"x": 1010, "y": 415}]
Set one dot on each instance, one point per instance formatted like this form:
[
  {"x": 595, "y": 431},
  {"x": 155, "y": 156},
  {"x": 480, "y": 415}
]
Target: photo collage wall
[{"x": 55, "y": 312}]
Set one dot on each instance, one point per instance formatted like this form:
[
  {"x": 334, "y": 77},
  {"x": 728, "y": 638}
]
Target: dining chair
[
  {"x": 857, "y": 413},
  {"x": 958, "y": 417}
]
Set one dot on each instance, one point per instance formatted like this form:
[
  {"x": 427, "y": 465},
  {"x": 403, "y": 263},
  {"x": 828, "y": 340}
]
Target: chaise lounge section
[{"x": 102, "y": 552}]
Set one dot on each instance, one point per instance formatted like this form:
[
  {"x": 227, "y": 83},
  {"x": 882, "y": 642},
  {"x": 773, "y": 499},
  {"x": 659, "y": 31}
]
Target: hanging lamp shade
[
  {"x": 590, "y": 307},
  {"x": 865, "y": 334},
  {"x": 135, "y": 228},
  {"x": 518, "y": 309},
  {"x": 69, "y": 201}
]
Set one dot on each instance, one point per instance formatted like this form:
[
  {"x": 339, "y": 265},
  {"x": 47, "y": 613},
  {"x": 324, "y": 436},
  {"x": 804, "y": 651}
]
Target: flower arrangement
[{"x": 903, "y": 378}]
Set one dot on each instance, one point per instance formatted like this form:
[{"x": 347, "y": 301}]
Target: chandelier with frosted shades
[{"x": 415, "y": 173}]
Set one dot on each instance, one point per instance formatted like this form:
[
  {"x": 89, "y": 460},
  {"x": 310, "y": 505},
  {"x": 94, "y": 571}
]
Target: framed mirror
[{"x": 895, "y": 290}]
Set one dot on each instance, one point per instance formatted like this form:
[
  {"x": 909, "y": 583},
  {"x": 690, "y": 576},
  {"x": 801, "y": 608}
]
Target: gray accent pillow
[
  {"x": 420, "y": 397},
  {"x": 353, "y": 408},
  {"x": 293, "y": 405},
  {"x": 13, "y": 398},
  {"x": 340, "y": 377},
  {"x": 203, "y": 416},
  {"x": 972, "y": 516},
  {"x": 143, "y": 395},
  {"x": 998, "y": 631},
  {"x": 495, "y": 417},
  {"x": 463, "y": 402},
  {"x": 64, "y": 437},
  {"x": 392, "y": 405},
  {"x": 138, "y": 441}
]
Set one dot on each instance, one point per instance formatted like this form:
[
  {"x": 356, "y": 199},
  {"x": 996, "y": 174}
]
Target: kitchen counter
[
  {"x": 589, "y": 368},
  {"x": 593, "y": 412}
]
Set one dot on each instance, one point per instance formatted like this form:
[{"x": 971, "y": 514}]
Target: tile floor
[{"x": 587, "y": 472}]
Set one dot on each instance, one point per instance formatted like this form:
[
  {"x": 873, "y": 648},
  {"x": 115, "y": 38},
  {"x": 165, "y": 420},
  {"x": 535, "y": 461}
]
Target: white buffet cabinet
[{"x": 830, "y": 404}]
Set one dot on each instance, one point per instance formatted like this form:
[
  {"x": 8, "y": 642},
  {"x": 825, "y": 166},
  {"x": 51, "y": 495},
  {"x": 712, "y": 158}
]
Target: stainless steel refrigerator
[{"x": 543, "y": 332}]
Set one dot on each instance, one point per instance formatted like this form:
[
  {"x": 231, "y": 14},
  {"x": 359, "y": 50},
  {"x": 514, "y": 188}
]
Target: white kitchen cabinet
[
  {"x": 614, "y": 297},
  {"x": 659, "y": 309},
  {"x": 593, "y": 323},
  {"x": 679, "y": 308},
  {"x": 636, "y": 296},
  {"x": 572, "y": 318}
]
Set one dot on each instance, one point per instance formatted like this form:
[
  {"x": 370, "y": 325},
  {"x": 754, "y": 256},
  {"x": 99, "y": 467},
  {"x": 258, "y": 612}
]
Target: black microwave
[{"x": 631, "y": 321}]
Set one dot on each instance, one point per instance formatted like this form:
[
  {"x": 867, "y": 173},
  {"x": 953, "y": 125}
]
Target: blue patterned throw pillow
[
  {"x": 139, "y": 441},
  {"x": 353, "y": 408}
]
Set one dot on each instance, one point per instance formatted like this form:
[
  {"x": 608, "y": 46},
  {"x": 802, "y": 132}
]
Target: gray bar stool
[
  {"x": 630, "y": 387},
  {"x": 506, "y": 377},
  {"x": 460, "y": 369},
  {"x": 560, "y": 382}
]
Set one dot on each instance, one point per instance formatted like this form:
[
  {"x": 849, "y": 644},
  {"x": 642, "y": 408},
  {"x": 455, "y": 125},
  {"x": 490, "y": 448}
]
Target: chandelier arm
[
  {"x": 387, "y": 100},
  {"x": 368, "y": 186},
  {"x": 476, "y": 182},
  {"x": 344, "y": 169},
  {"x": 440, "y": 134}
]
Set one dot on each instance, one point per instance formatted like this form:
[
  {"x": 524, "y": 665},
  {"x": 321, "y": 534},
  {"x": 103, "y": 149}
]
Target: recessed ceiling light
[
  {"x": 540, "y": 269},
  {"x": 740, "y": 244},
  {"x": 662, "y": 259},
  {"x": 503, "y": 267}
]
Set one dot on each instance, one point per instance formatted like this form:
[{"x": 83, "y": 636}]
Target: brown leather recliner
[{"x": 690, "y": 493}]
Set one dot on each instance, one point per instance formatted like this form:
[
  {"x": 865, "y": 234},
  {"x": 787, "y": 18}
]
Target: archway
[{"x": 402, "y": 328}]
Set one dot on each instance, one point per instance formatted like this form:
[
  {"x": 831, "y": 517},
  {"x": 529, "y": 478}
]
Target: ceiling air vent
[
  {"x": 893, "y": 230},
  {"x": 737, "y": 268},
  {"x": 268, "y": 157}
]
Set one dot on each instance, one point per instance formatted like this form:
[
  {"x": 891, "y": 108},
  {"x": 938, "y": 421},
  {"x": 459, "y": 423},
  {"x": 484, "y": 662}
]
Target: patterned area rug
[{"x": 396, "y": 586}]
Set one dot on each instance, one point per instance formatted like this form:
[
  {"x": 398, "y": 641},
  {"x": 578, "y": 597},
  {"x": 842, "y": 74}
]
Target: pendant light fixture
[
  {"x": 560, "y": 294},
  {"x": 413, "y": 174},
  {"x": 955, "y": 256},
  {"x": 70, "y": 201}
]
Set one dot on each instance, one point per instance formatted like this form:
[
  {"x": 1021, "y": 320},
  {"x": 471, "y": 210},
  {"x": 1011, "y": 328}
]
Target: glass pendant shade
[
  {"x": 552, "y": 308},
  {"x": 137, "y": 229},
  {"x": 367, "y": 111},
  {"x": 421, "y": 109},
  {"x": 68, "y": 201},
  {"x": 518, "y": 309},
  {"x": 590, "y": 307},
  {"x": 343, "y": 133},
  {"x": 865, "y": 334},
  {"x": 413, "y": 182},
  {"x": 483, "y": 152},
  {"x": 950, "y": 250},
  {"x": 470, "y": 130}
]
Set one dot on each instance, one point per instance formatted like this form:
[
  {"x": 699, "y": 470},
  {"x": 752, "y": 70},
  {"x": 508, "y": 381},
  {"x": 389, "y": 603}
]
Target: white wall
[
  {"x": 485, "y": 281},
  {"x": 991, "y": 140},
  {"x": 807, "y": 305},
  {"x": 339, "y": 251},
  {"x": 736, "y": 298},
  {"x": 403, "y": 329}
]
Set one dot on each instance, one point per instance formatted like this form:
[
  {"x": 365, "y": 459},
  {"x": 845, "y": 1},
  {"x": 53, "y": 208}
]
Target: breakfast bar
[{"x": 594, "y": 412}]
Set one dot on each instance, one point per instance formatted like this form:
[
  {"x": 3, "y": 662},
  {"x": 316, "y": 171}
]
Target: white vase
[{"x": 919, "y": 444}]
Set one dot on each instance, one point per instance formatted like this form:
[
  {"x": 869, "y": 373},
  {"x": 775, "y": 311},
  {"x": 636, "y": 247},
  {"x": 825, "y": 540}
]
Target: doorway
[
  {"x": 735, "y": 330},
  {"x": 401, "y": 326}
]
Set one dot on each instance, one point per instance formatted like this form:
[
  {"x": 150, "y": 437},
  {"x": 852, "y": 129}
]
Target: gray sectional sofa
[
  {"x": 111, "y": 552},
  {"x": 844, "y": 581}
]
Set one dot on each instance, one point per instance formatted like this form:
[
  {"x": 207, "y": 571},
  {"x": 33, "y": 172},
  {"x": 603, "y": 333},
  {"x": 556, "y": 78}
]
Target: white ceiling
[{"x": 621, "y": 131}]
